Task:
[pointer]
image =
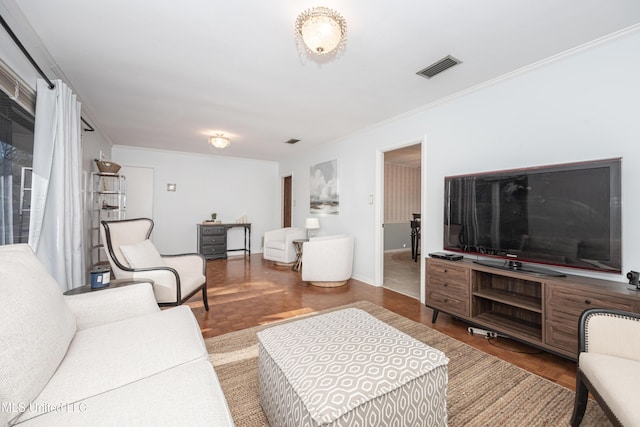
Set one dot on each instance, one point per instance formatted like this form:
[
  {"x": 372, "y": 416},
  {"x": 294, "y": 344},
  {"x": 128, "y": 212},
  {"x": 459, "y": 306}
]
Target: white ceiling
[{"x": 165, "y": 74}]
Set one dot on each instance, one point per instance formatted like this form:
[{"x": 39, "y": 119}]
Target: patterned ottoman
[{"x": 347, "y": 368}]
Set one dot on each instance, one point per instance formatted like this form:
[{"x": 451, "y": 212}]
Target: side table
[
  {"x": 297, "y": 244},
  {"x": 116, "y": 283}
]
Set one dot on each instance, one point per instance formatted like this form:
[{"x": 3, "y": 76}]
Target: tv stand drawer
[
  {"x": 449, "y": 304},
  {"x": 565, "y": 304},
  {"x": 447, "y": 272}
]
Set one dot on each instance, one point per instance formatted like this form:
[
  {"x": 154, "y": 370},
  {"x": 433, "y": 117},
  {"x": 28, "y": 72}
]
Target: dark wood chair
[{"x": 415, "y": 239}]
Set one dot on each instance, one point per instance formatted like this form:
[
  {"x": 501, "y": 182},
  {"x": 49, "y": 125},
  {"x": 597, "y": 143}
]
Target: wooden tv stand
[{"x": 539, "y": 310}]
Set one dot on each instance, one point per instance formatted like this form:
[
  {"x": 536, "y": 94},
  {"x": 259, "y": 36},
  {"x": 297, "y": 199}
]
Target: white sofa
[
  {"x": 327, "y": 261},
  {"x": 108, "y": 357},
  {"x": 278, "y": 244}
]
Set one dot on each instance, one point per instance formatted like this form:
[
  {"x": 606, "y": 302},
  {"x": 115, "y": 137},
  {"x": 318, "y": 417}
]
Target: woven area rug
[{"x": 483, "y": 390}]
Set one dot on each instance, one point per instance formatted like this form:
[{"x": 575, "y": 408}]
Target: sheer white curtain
[
  {"x": 6, "y": 204},
  {"x": 6, "y": 182},
  {"x": 55, "y": 229}
]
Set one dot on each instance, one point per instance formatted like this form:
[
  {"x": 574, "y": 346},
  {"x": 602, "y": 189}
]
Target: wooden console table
[
  {"x": 212, "y": 240},
  {"x": 540, "y": 310}
]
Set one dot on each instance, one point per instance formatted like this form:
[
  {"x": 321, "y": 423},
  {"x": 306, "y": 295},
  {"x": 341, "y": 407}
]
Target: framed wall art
[{"x": 323, "y": 188}]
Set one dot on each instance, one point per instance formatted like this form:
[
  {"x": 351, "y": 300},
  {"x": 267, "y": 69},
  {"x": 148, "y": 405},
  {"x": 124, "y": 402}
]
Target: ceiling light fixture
[
  {"x": 321, "y": 30},
  {"x": 219, "y": 141}
]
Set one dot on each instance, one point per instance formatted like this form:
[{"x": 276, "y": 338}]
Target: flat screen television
[{"x": 565, "y": 215}]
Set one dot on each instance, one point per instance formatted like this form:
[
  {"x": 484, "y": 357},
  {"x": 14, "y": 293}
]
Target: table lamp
[{"x": 311, "y": 224}]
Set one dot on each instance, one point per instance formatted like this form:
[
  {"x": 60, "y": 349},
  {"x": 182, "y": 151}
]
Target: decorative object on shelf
[
  {"x": 106, "y": 166},
  {"x": 214, "y": 216},
  {"x": 107, "y": 206},
  {"x": 321, "y": 30},
  {"x": 323, "y": 188},
  {"x": 242, "y": 220},
  {"x": 311, "y": 224},
  {"x": 219, "y": 141}
]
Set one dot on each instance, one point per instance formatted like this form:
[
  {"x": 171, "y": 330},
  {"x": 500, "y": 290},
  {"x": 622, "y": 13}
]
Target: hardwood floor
[
  {"x": 402, "y": 273},
  {"x": 246, "y": 292}
]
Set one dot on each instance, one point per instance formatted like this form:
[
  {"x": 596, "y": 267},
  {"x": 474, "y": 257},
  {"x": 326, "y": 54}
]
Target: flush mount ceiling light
[
  {"x": 219, "y": 141},
  {"x": 321, "y": 30}
]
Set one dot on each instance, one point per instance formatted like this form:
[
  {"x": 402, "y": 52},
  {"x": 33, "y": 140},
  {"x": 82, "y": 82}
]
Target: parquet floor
[{"x": 245, "y": 292}]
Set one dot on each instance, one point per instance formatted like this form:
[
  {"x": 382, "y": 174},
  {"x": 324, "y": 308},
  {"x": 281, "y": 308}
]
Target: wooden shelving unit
[{"x": 108, "y": 202}]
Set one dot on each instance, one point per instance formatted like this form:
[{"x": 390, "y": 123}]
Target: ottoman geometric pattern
[{"x": 347, "y": 368}]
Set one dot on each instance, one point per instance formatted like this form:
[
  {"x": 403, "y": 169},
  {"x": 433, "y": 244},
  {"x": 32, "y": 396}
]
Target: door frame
[
  {"x": 283, "y": 200},
  {"x": 379, "y": 208}
]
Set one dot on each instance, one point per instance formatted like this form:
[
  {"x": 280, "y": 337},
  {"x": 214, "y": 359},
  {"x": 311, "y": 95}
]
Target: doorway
[
  {"x": 401, "y": 219},
  {"x": 286, "y": 201}
]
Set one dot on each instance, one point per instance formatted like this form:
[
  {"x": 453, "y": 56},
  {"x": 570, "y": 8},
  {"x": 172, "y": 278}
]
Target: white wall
[
  {"x": 205, "y": 184},
  {"x": 582, "y": 106}
]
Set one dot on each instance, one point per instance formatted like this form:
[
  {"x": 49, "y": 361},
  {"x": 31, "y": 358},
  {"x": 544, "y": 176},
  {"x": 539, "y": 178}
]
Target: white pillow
[{"x": 142, "y": 255}]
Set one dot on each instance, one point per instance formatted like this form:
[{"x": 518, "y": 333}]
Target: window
[{"x": 16, "y": 158}]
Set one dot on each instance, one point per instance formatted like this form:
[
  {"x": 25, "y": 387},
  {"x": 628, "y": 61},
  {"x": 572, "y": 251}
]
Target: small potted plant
[{"x": 212, "y": 220}]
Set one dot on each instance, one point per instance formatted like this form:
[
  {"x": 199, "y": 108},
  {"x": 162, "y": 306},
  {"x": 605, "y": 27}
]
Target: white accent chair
[
  {"x": 132, "y": 256},
  {"x": 609, "y": 365},
  {"x": 327, "y": 261},
  {"x": 106, "y": 357},
  {"x": 278, "y": 244}
]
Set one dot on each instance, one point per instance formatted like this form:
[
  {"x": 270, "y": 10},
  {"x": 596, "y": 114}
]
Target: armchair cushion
[
  {"x": 278, "y": 244},
  {"x": 165, "y": 287},
  {"x": 613, "y": 335},
  {"x": 142, "y": 255},
  {"x": 615, "y": 380}
]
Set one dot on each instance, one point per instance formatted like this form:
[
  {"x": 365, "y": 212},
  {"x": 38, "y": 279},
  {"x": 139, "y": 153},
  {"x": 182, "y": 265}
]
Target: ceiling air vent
[
  {"x": 439, "y": 66},
  {"x": 292, "y": 141}
]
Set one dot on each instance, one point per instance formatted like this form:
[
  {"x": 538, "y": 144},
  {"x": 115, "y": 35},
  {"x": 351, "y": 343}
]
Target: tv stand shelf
[
  {"x": 541, "y": 311},
  {"x": 521, "y": 301},
  {"x": 511, "y": 327}
]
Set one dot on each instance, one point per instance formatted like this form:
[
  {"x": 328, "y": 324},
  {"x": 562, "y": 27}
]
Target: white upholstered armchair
[
  {"x": 327, "y": 261},
  {"x": 278, "y": 244},
  {"x": 132, "y": 255},
  {"x": 609, "y": 365}
]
